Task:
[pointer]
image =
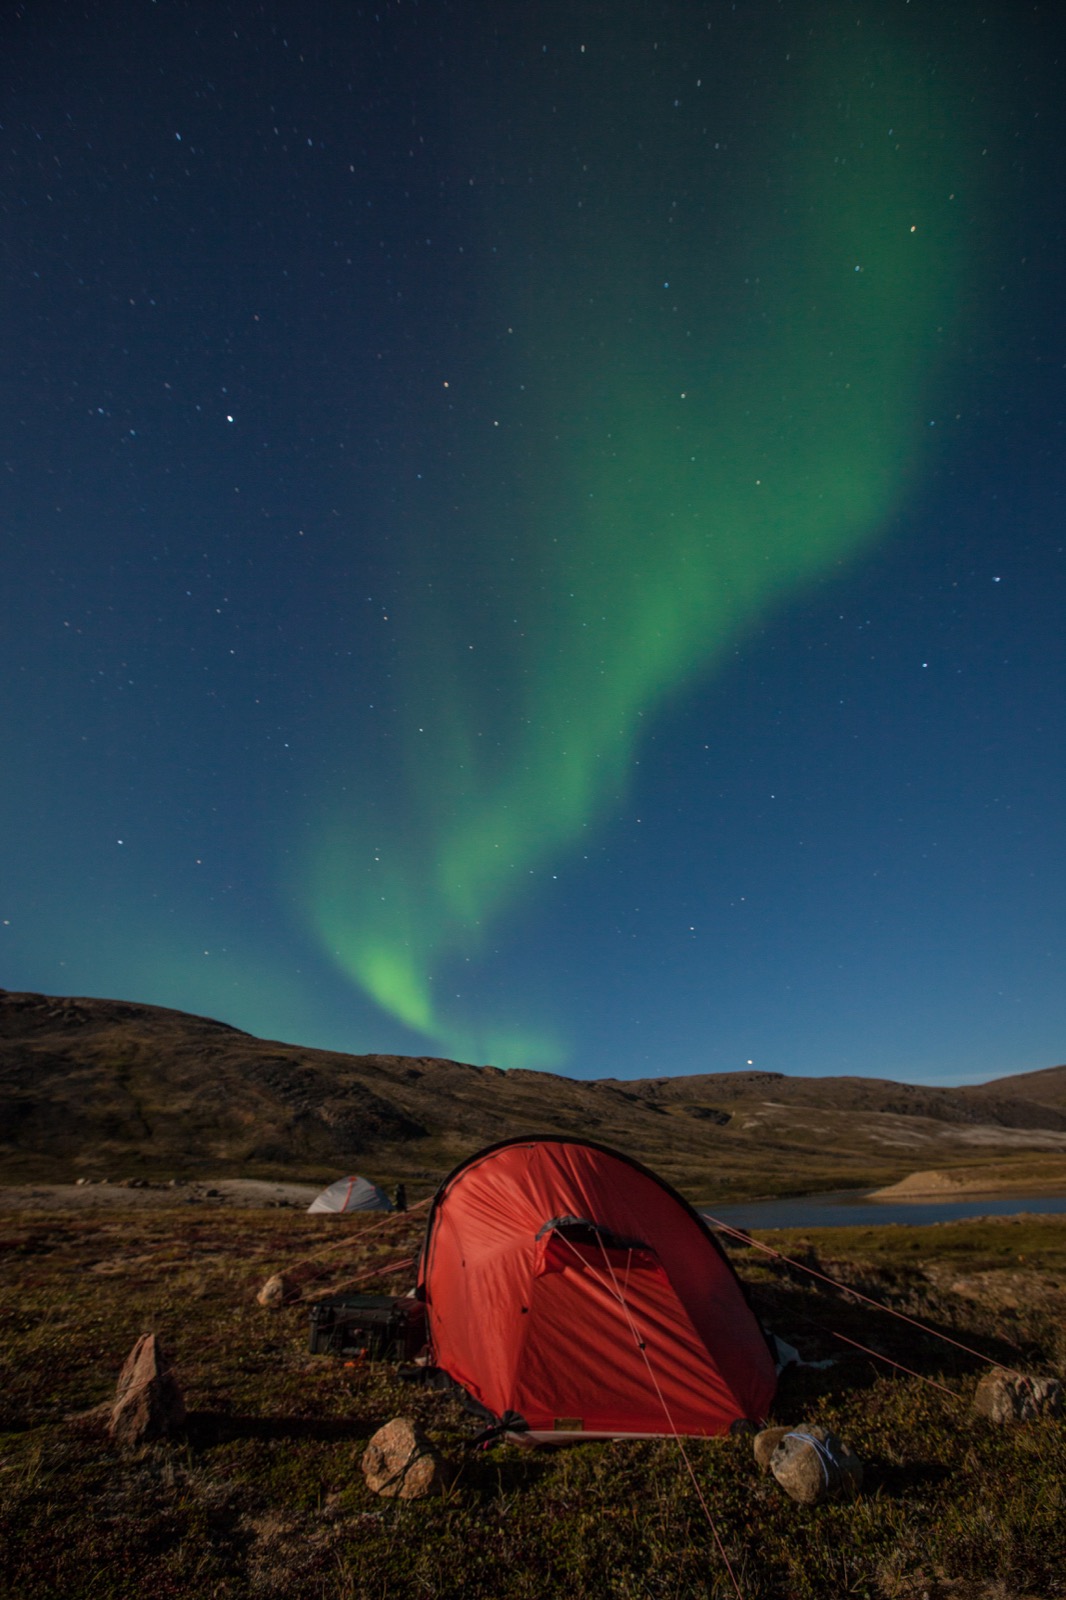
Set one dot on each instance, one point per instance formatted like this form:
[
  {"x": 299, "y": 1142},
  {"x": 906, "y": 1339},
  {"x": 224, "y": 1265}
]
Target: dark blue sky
[{"x": 538, "y": 535}]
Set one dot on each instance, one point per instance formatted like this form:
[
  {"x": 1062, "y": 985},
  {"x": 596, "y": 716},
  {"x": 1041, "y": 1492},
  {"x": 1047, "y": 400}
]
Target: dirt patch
[
  {"x": 1002, "y": 1289},
  {"x": 141, "y": 1195}
]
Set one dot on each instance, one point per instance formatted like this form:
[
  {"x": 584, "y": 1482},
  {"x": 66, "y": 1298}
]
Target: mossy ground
[{"x": 261, "y": 1495}]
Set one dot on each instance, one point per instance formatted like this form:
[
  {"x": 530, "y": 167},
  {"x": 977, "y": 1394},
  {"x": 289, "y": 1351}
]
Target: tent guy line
[
  {"x": 642, "y": 1346},
  {"x": 876, "y": 1354},
  {"x": 878, "y": 1305},
  {"x": 376, "y": 1272}
]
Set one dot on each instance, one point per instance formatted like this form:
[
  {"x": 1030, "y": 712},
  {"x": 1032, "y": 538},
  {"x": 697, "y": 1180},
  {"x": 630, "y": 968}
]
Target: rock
[
  {"x": 812, "y": 1465},
  {"x": 765, "y": 1443},
  {"x": 276, "y": 1292},
  {"x": 285, "y": 1288},
  {"x": 1014, "y": 1397},
  {"x": 148, "y": 1403},
  {"x": 280, "y": 1290},
  {"x": 401, "y": 1462}
]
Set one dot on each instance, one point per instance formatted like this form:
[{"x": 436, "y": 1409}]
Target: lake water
[{"x": 849, "y": 1210}]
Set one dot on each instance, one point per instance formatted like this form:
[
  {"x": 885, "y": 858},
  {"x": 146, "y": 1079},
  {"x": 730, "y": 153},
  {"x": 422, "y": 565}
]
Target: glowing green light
[{"x": 693, "y": 467}]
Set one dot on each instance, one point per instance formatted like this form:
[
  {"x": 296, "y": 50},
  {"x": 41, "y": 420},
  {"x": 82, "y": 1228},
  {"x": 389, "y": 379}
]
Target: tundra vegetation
[{"x": 260, "y": 1492}]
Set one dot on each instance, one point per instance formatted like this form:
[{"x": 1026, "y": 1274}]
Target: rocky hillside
[{"x": 105, "y": 1087}]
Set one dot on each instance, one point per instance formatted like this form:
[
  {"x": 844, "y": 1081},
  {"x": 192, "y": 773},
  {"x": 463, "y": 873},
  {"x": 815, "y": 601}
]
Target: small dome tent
[
  {"x": 573, "y": 1293},
  {"x": 351, "y": 1194}
]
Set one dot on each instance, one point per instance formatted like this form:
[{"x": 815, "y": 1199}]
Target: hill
[{"x": 92, "y": 1087}]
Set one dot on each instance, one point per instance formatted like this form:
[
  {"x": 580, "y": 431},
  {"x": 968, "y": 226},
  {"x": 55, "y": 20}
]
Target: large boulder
[
  {"x": 812, "y": 1465},
  {"x": 148, "y": 1402},
  {"x": 400, "y": 1462},
  {"x": 1014, "y": 1397}
]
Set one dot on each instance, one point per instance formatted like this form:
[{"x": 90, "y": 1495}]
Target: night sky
[{"x": 534, "y": 532}]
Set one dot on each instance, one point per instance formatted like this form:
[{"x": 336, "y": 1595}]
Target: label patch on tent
[{"x": 569, "y": 1424}]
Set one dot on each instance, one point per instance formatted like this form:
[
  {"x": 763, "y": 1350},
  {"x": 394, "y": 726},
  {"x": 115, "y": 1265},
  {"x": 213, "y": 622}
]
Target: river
[{"x": 846, "y": 1209}]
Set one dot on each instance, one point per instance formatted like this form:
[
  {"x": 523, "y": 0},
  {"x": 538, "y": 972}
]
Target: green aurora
[{"x": 721, "y": 371}]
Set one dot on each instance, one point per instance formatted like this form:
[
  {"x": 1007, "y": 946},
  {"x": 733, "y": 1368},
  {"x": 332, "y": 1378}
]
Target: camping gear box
[{"x": 380, "y": 1326}]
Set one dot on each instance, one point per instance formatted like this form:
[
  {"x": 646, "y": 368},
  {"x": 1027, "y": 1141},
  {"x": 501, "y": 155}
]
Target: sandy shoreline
[{"x": 956, "y": 1186}]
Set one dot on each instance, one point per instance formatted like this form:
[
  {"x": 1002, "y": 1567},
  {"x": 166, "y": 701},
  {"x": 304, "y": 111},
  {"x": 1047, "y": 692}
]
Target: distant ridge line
[{"x": 101, "y": 1084}]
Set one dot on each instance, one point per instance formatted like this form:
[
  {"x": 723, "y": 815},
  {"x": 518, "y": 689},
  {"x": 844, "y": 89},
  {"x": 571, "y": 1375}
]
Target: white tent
[{"x": 351, "y": 1194}]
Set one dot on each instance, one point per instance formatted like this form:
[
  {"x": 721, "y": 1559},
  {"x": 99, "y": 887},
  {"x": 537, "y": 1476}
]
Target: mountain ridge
[{"x": 100, "y": 1085}]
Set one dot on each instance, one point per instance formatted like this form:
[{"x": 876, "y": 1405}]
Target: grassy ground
[{"x": 262, "y": 1495}]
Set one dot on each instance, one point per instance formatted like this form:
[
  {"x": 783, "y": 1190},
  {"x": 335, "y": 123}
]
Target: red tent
[{"x": 570, "y": 1288}]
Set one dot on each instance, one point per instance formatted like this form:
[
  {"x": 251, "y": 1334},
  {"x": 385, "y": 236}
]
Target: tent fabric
[
  {"x": 351, "y": 1194},
  {"x": 569, "y": 1285}
]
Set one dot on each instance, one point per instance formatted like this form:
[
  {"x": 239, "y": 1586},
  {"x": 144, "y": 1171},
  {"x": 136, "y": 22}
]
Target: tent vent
[{"x": 579, "y": 1230}]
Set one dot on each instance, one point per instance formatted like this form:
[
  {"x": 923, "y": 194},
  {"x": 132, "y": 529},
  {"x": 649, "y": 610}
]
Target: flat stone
[{"x": 401, "y": 1462}]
